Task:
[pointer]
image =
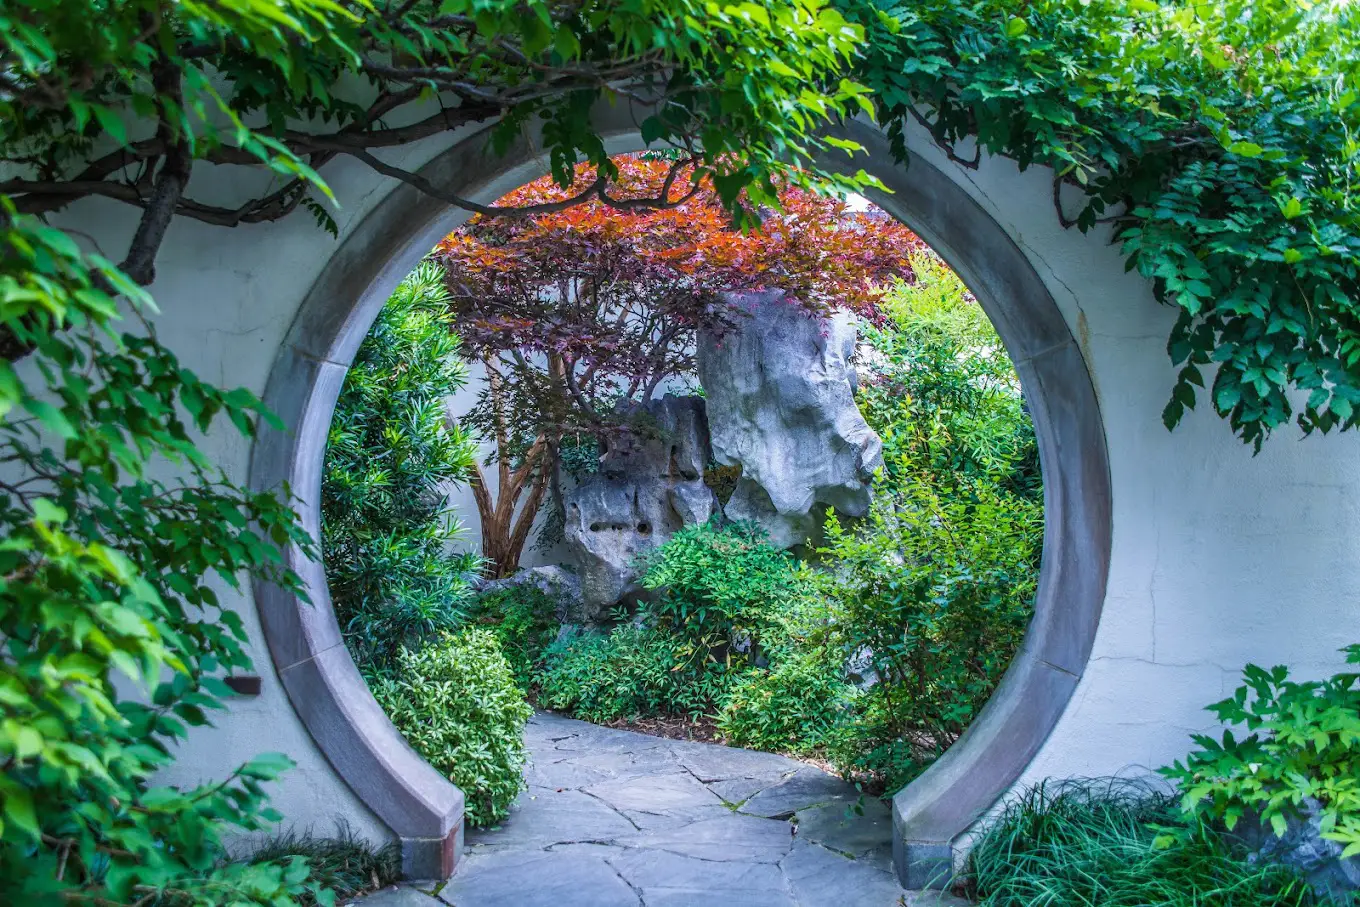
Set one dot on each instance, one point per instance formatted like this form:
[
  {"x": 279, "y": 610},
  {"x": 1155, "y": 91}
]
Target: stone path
[{"x": 619, "y": 819}]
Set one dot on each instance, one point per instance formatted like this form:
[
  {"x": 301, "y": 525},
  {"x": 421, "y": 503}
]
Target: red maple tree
[{"x": 574, "y": 312}]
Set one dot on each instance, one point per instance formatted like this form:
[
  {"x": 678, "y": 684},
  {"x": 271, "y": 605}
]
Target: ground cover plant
[
  {"x": 1118, "y": 842},
  {"x": 1110, "y": 843},
  {"x": 344, "y": 863}
]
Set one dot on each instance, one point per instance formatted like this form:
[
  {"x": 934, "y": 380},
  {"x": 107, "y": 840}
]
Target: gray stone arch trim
[
  {"x": 422, "y": 807},
  {"x": 932, "y": 812}
]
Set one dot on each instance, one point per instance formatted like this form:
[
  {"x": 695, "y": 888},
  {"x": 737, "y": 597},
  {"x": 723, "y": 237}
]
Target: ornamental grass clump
[{"x": 1113, "y": 843}]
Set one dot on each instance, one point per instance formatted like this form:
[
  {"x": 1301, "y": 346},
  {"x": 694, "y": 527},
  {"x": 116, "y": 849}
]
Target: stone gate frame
[{"x": 422, "y": 808}]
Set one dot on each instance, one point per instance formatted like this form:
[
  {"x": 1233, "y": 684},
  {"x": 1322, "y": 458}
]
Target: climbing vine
[
  {"x": 1220, "y": 140},
  {"x": 117, "y": 638}
]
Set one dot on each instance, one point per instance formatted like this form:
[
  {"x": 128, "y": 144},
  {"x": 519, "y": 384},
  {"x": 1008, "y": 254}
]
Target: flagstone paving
[{"x": 619, "y": 819}]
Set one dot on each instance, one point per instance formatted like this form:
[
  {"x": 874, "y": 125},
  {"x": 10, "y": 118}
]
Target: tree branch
[{"x": 170, "y": 182}]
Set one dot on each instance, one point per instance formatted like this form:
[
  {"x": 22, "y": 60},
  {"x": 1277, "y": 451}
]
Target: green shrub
[
  {"x": 631, "y": 672},
  {"x": 933, "y": 589},
  {"x": 1105, "y": 844},
  {"x": 795, "y": 705},
  {"x": 875, "y": 748},
  {"x": 938, "y": 387},
  {"x": 524, "y": 621},
  {"x": 457, "y": 703},
  {"x": 1304, "y": 743},
  {"x": 391, "y": 453},
  {"x": 721, "y": 590}
]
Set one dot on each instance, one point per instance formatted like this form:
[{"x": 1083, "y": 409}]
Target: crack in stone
[
  {"x": 548, "y": 848},
  {"x": 612, "y": 808},
  {"x": 690, "y": 856},
  {"x": 786, "y": 816}
]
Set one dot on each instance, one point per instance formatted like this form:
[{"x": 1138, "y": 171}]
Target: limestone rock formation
[
  {"x": 648, "y": 486},
  {"x": 780, "y": 403}
]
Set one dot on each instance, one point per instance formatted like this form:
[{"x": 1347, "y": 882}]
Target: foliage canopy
[{"x": 1219, "y": 140}]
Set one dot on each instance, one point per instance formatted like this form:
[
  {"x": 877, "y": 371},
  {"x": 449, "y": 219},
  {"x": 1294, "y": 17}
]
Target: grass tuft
[
  {"x": 1116, "y": 843},
  {"x": 345, "y": 863}
]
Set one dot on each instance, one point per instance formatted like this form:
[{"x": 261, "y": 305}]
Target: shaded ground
[{"x": 613, "y": 818}]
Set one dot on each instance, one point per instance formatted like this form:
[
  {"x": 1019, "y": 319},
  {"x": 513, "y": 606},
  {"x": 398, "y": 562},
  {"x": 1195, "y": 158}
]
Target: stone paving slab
[
  {"x": 706, "y": 897},
  {"x": 538, "y": 879},
  {"x": 806, "y": 788},
  {"x": 737, "y": 838},
  {"x": 652, "y": 869},
  {"x": 619, "y": 819},
  {"x": 657, "y": 794},
  {"x": 399, "y": 897},
  {"x": 736, "y": 791},
  {"x": 708, "y": 762},
  {"x": 822, "y": 878},
  {"x": 854, "y": 829},
  {"x": 542, "y": 817}
]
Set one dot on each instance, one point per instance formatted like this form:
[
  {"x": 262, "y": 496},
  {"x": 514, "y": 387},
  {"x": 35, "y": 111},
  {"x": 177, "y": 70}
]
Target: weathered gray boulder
[
  {"x": 561, "y": 586},
  {"x": 649, "y": 484},
  {"x": 1303, "y": 847},
  {"x": 780, "y": 403}
]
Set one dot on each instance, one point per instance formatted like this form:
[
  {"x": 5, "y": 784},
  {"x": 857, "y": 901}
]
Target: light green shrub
[
  {"x": 457, "y": 703},
  {"x": 1303, "y": 743}
]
